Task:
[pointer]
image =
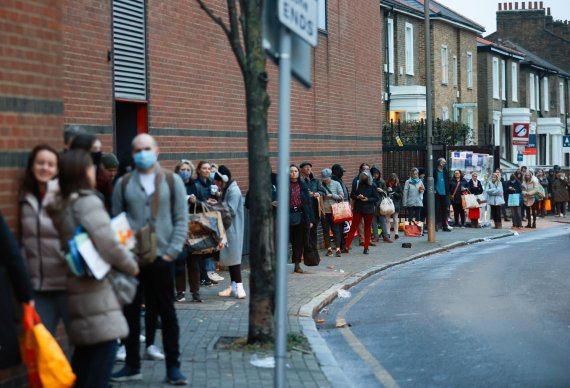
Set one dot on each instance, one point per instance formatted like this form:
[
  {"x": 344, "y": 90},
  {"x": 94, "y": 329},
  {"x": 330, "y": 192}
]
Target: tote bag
[
  {"x": 341, "y": 212},
  {"x": 387, "y": 207},
  {"x": 469, "y": 201},
  {"x": 514, "y": 200}
]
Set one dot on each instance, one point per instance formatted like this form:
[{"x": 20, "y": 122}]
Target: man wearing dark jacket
[
  {"x": 316, "y": 190},
  {"x": 441, "y": 190}
]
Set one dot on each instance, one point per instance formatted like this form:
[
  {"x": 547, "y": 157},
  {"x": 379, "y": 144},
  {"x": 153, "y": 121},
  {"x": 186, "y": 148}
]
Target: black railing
[{"x": 414, "y": 133}]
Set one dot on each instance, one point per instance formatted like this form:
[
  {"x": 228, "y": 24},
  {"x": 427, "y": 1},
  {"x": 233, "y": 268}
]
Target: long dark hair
[
  {"x": 393, "y": 180},
  {"x": 83, "y": 141},
  {"x": 29, "y": 182},
  {"x": 73, "y": 172}
]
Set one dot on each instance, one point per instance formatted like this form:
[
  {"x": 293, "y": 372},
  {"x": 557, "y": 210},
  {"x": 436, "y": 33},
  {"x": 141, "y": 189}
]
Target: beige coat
[
  {"x": 95, "y": 313},
  {"x": 529, "y": 189}
]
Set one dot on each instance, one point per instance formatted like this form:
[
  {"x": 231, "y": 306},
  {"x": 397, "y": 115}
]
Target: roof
[
  {"x": 532, "y": 59},
  {"x": 437, "y": 11},
  {"x": 500, "y": 48}
]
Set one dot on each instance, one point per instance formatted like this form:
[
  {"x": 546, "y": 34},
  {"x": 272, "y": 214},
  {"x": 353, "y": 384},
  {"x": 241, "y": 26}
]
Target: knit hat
[
  {"x": 305, "y": 163},
  {"x": 109, "y": 160},
  {"x": 326, "y": 173}
]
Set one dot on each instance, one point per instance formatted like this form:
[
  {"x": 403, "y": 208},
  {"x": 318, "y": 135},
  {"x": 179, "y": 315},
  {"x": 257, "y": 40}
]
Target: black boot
[
  {"x": 534, "y": 223},
  {"x": 529, "y": 224}
]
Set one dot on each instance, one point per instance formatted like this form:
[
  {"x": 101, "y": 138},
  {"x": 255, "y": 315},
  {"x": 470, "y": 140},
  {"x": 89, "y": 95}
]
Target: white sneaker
[
  {"x": 215, "y": 277},
  {"x": 121, "y": 355},
  {"x": 153, "y": 353},
  {"x": 226, "y": 293},
  {"x": 240, "y": 292}
]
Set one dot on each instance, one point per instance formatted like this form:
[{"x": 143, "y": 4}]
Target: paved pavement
[{"x": 201, "y": 325}]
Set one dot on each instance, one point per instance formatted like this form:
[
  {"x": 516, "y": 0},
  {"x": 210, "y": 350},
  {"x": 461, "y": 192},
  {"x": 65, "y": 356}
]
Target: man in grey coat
[{"x": 170, "y": 221}]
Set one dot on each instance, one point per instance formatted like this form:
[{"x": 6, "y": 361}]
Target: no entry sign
[{"x": 520, "y": 134}]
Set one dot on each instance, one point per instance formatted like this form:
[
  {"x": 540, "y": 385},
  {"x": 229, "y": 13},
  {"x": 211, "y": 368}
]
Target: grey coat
[
  {"x": 337, "y": 192},
  {"x": 96, "y": 315},
  {"x": 231, "y": 255},
  {"x": 40, "y": 242},
  {"x": 171, "y": 224},
  {"x": 412, "y": 194}
]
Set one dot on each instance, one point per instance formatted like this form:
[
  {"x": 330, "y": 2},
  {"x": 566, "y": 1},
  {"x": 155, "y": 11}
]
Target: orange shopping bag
[
  {"x": 547, "y": 205},
  {"x": 47, "y": 365}
]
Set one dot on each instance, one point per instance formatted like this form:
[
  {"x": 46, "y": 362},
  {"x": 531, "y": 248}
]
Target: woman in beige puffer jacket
[
  {"x": 530, "y": 188},
  {"x": 97, "y": 319}
]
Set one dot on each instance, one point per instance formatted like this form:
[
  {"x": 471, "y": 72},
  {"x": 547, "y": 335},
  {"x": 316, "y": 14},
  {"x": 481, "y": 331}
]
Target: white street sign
[{"x": 300, "y": 16}]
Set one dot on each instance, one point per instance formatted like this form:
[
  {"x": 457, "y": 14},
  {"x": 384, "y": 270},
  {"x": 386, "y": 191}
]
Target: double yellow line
[{"x": 382, "y": 375}]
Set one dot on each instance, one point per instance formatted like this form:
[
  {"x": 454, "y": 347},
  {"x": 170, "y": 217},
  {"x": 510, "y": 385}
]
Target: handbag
[
  {"x": 205, "y": 231},
  {"x": 455, "y": 191},
  {"x": 341, "y": 212},
  {"x": 514, "y": 200},
  {"x": 387, "y": 207},
  {"x": 295, "y": 218},
  {"x": 413, "y": 228},
  {"x": 46, "y": 363},
  {"x": 469, "y": 201},
  {"x": 124, "y": 285}
]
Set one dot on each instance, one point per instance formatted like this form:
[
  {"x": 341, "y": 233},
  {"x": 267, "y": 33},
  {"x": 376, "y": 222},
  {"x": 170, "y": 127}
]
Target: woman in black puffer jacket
[{"x": 365, "y": 197}]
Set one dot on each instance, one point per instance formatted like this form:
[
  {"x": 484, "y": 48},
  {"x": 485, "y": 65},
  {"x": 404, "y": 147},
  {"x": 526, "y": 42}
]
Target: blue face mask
[
  {"x": 185, "y": 175},
  {"x": 145, "y": 159}
]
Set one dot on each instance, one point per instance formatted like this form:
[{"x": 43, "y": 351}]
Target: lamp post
[{"x": 429, "y": 118}]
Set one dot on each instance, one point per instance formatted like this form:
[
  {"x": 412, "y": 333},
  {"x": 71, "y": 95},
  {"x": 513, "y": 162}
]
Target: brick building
[
  {"x": 531, "y": 25},
  {"x": 454, "y": 63},
  {"x": 122, "y": 67}
]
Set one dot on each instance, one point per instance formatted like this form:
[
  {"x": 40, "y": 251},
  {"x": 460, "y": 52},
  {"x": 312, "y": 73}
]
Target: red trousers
[{"x": 356, "y": 218}]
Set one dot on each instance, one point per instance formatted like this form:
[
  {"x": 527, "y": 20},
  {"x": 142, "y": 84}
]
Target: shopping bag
[
  {"x": 474, "y": 213},
  {"x": 469, "y": 201},
  {"x": 514, "y": 200},
  {"x": 541, "y": 193},
  {"x": 387, "y": 207},
  {"x": 547, "y": 205},
  {"x": 205, "y": 232},
  {"x": 341, "y": 212},
  {"x": 413, "y": 229},
  {"x": 46, "y": 363}
]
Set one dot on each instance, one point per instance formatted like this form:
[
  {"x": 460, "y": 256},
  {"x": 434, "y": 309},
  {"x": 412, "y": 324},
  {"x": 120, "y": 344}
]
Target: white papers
[
  {"x": 97, "y": 265},
  {"x": 120, "y": 225}
]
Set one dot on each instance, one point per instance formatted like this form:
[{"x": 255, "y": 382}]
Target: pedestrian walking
[
  {"x": 395, "y": 193},
  {"x": 333, "y": 195},
  {"x": 96, "y": 318},
  {"x": 414, "y": 195},
  {"x": 496, "y": 199},
  {"x": 300, "y": 216},
  {"x": 441, "y": 177},
  {"x": 514, "y": 187},
  {"x": 40, "y": 239},
  {"x": 457, "y": 188},
  {"x": 13, "y": 277},
  {"x": 316, "y": 191},
  {"x": 560, "y": 194},
  {"x": 365, "y": 197},
  {"x": 150, "y": 200},
  {"x": 475, "y": 187},
  {"x": 378, "y": 218},
  {"x": 231, "y": 255}
]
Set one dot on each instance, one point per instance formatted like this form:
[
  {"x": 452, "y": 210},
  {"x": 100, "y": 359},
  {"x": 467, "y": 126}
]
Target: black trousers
[
  {"x": 458, "y": 213},
  {"x": 93, "y": 364},
  {"x": 531, "y": 210},
  {"x": 297, "y": 239},
  {"x": 158, "y": 287},
  {"x": 496, "y": 213},
  {"x": 328, "y": 225},
  {"x": 441, "y": 209}
]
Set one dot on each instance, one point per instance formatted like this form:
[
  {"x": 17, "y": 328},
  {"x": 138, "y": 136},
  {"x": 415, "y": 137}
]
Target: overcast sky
[{"x": 483, "y": 11}]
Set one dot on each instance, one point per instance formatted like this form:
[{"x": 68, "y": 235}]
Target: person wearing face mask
[
  {"x": 441, "y": 182},
  {"x": 560, "y": 194},
  {"x": 475, "y": 187},
  {"x": 496, "y": 199},
  {"x": 145, "y": 188},
  {"x": 337, "y": 174},
  {"x": 414, "y": 195},
  {"x": 529, "y": 191},
  {"x": 514, "y": 187},
  {"x": 365, "y": 197}
]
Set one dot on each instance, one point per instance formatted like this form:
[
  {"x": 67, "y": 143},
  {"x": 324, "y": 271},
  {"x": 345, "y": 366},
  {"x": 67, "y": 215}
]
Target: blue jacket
[{"x": 495, "y": 195}]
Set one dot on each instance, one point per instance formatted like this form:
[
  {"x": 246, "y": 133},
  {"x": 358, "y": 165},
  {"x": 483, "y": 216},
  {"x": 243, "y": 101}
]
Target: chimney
[
  {"x": 516, "y": 5},
  {"x": 541, "y": 6},
  {"x": 530, "y": 5},
  {"x": 536, "y": 5},
  {"x": 500, "y": 6},
  {"x": 548, "y": 11},
  {"x": 504, "y": 6},
  {"x": 523, "y": 4}
]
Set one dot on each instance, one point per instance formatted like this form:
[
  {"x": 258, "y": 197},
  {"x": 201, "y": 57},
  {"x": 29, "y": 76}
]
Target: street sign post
[
  {"x": 289, "y": 31},
  {"x": 520, "y": 157},
  {"x": 530, "y": 148},
  {"x": 521, "y": 133},
  {"x": 566, "y": 143}
]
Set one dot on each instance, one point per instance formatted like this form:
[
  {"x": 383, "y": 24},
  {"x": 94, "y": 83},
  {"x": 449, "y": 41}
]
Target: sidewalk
[{"x": 202, "y": 324}]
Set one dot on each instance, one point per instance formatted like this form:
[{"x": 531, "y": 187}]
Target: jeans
[
  {"x": 51, "y": 307},
  {"x": 516, "y": 215},
  {"x": 414, "y": 213},
  {"x": 378, "y": 219},
  {"x": 93, "y": 364},
  {"x": 328, "y": 225},
  {"x": 356, "y": 218},
  {"x": 394, "y": 223},
  {"x": 158, "y": 287}
]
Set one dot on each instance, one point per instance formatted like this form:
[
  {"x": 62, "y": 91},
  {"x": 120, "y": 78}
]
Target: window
[
  {"x": 562, "y": 102},
  {"x": 390, "y": 45},
  {"x": 454, "y": 64},
  {"x": 444, "y": 65},
  {"x": 444, "y": 113},
  {"x": 514, "y": 82},
  {"x": 496, "y": 78},
  {"x": 469, "y": 70},
  {"x": 409, "y": 49},
  {"x": 537, "y": 92},
  {"x": 322, "y": 15},
  {"x": 531, "y": 92},
  {"x": 129, "y": 49},
  {"x": 503, "y": 80},
  {"x": 545, "y": 93}
]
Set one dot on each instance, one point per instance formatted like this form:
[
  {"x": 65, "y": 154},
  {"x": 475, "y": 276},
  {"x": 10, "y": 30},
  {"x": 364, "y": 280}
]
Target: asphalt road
[{"x": 487, "y": 315}]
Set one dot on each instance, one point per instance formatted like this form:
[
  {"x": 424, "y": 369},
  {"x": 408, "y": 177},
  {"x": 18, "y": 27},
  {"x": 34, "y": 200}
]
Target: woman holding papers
[{"x": 96, "y": 317}]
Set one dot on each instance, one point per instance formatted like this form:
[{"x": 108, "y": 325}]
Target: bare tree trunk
[{"x": 251, "y": 59}]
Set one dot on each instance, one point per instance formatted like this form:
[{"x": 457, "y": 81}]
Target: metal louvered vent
[{"x": 129, "y": 49}]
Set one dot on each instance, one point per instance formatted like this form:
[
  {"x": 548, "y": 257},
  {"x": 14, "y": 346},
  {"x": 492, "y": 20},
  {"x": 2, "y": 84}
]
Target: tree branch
[{"x": 232, "y": 33}]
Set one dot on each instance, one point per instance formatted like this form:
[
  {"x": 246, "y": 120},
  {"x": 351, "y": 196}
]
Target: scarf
[{"x": 414, "y": 180}]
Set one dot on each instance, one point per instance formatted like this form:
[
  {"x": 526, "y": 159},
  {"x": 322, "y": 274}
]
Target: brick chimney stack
[
  {"x": 523, "y": 4},
  {"x": 516, "y": 5},
  {"x": 510, "y": 6},
  {"x": 541, "y": 5},
  {"x": 500, "y": 7}
]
